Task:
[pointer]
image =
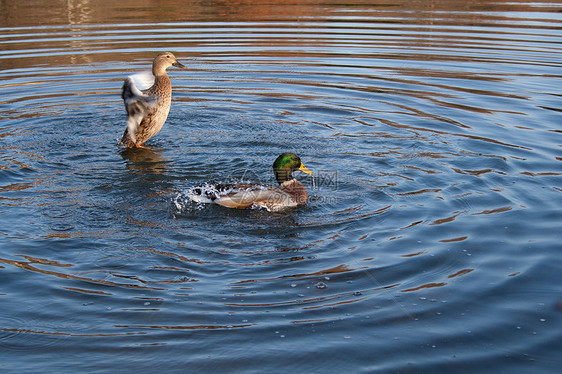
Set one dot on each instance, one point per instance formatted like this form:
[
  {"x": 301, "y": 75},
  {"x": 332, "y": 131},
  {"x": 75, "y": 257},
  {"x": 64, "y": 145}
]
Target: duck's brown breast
[{"x": 296, "y": 190}]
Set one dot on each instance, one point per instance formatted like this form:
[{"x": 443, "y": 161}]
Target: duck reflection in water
[{"x": 145, "y": 160}]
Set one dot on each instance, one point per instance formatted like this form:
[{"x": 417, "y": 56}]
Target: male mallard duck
[
  {"x": 148, "y": 109},
  {"x": 290, "y": 194}
]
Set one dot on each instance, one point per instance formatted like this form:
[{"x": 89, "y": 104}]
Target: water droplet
[
  {"x": 321, "y": 285},
  {"x": 542, "y": 320},
  {"x": 147, "y": 303},
  {"x": 293, "y": 285},
  {"x": 357, "y": 293}
]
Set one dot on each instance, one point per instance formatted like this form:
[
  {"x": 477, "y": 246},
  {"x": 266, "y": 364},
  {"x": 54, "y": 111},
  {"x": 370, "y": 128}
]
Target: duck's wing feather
[
  {"x": 268, "y": 197},
  {"x": 137, "y": 105},
  {"x": 143, "y": 80}
]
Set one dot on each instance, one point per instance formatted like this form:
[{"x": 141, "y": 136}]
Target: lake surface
[{"x": 431, "y": 241}]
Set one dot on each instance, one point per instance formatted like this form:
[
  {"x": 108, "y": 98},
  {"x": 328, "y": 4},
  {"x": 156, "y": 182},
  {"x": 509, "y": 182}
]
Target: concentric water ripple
[{"x": 430, "y": 238}]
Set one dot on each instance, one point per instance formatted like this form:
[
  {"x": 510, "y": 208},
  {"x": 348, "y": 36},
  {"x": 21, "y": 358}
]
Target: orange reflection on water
[
  {"x": 28, "y": 266},
  {"x": 428, "y": 285},
  {"x": 193, "y": 327},
  {"x": 459, "y": 239},
  {"x": 414, "y": 254},
  {"x": 419, "y": 192},
  {"x": 87, "y": 291},
  {"x": 460, "y": 272},
  {"x": 446, "y": 220},
  {"x": 335, "y": 270},
  {"x": 336, "y": 304},
  {"x": 29, "y": 331},
  {"x": 492, "y": 211}
]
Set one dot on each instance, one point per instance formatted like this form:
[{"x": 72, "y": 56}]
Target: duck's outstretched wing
[{"x": 137, "y": 104}]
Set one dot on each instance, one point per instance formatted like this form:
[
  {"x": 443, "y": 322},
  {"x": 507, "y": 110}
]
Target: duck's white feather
[
  {"x": 137, "y": 104},
  {"x": 143, "y": 80}
]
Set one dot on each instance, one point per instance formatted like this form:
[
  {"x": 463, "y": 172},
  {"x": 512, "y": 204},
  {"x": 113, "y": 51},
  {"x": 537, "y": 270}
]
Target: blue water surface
[{"x": 431, "y": 239}]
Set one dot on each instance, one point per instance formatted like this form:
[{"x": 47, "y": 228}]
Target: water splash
[{"x": 195, "y": 198}]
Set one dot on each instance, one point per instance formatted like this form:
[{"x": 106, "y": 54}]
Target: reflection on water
[
  {"x": 145, "y": 160},
  {"x": 428, "y": 240}
]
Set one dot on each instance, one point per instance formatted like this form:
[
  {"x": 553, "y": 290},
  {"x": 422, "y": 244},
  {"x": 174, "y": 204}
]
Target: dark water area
[{"x": 431, "y": 240}]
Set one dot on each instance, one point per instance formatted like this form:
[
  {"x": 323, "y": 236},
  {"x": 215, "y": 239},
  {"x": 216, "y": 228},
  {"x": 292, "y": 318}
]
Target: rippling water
[{"x": 431, "y": 240}]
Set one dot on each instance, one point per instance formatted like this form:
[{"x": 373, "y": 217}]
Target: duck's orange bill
[{"x": 304, "y": 169}]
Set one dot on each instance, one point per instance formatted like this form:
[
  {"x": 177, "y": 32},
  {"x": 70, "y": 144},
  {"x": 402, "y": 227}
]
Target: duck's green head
[{"x": 284, "y": 166}]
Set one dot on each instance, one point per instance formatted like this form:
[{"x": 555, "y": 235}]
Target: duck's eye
[{"x": 168, "y": 56}]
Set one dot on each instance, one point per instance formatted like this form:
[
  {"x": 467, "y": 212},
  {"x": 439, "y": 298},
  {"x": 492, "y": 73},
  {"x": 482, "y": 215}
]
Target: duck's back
[{"x": 291, "y": 194}]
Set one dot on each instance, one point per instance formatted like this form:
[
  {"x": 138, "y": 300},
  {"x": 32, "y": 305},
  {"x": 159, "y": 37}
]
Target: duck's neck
[
  {"x": 162, "y": 86},
  {"x": 296, "y": 189},
  {"x": 158, "y": 70},
  {"x": 162, "y": 78}
]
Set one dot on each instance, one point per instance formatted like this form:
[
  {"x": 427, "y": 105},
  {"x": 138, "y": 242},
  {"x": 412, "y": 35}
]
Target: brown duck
[{"x": 148, "y": 109}]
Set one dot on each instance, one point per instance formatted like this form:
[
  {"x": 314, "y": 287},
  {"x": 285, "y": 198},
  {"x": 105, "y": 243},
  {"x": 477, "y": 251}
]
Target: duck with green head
[{"x": 290, "y": 193}]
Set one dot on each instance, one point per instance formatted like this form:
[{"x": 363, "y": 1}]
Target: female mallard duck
[
  {"x": 290, "y": 194},
  {"x": 148, "y": 109}
]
